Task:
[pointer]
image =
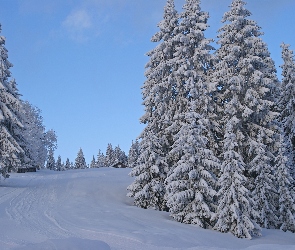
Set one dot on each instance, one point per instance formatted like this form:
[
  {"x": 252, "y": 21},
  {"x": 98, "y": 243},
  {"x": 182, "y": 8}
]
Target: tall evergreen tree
[
  {"x": 235, "y": 211},
  {"x": 287, "y": 102},
  {"x": 148, "y": 188},
  {"x": 247, "y": 81},
  {"x": 80, "y": 162},
  {"x": 191, "y": 182},
  {"x": 285, "y": 189},
  {"x": 10, "y": 149}
]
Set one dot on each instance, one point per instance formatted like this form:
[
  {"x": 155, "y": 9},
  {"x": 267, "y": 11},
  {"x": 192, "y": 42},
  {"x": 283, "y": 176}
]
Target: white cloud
[
  {"x": 77, "y": 23},
  {"x": 78, "y": 20}
]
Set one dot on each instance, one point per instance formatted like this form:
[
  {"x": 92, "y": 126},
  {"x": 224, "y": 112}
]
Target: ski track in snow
[
  {"x": 88, "y": 209},
  {"x": 32, "y": 209}
]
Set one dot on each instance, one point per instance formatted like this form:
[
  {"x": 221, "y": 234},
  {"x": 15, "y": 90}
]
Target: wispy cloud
[
  {"x": 78, "y": 20},
  {"x": 77, "y": 23},
  {"x": 90, "y": 18}
]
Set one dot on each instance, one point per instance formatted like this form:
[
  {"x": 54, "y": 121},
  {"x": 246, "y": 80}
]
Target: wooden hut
[{"x": 119, "y": 165}]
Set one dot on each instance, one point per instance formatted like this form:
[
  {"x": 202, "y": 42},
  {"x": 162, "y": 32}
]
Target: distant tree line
[{"x": 109, "y": 159}]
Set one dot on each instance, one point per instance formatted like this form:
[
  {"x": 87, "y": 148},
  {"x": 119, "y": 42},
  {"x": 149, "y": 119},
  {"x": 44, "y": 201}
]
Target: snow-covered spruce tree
[
  {"x": 93, "y": 163},
  {"x": 50, "y": 164},
  {"x": 286, "y": 103},
  {"x": 133, "y": 154},
  {"x": 285, "y": 189},
  {"x": 58, "y": 165},
  {"x": 80, "y": 162},
  {"x": 119, "y": 155},
  {"x": 191, "y": 185},
  {"x": 67, "y": 164},
  {"x": 191, "y": 182},
  {"x": 247, "y": 81},
  {"x": 123, "y": 158},
  {"x": 148, "y": 188},
  {"x": 110, "y": 157},
  {"x": 14, "y": 129},
  {"x": 100, "y": 160},
  {"x": 10, "y": 150},
  {"x": 235, "y": 209},
  {"x": 264, "y": 193}
]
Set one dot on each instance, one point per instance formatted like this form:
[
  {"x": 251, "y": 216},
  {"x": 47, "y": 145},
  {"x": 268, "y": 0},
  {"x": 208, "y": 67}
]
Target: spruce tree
[
  {"x": 133, "y": 154},
  {"x": 285, "y": 189},
  {"x": 93, "y": 163},
  {"x": 58, "y": 165},
  {"x": 287, "y": 102},
  {"x": 119, "y": 156},
  {"x": 68, "y": 164},
  {"x": 80, "y": 162},
  {"x": 10, "y": 150},
  {"x": 191, "y": 182},
  {"x": 18, "y": 132},
  {"x": 235, "y": 206},
  {"x": 148, "y": 188},
  {"x": 100, "y": 160},
  {"x": 50, "y": 164},
  {"x": 110, "y": 156},
  {"x": 247, "y": 82}
]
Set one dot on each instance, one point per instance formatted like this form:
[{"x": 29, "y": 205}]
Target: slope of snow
[{"x": 88, "y": 209}]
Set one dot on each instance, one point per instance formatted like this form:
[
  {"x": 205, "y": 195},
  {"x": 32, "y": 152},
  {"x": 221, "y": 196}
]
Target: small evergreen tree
[
  {"x": 50, "y": 161},
  {"x": 133, "y": 154},
  {"x": 58, "y": 165},
  {"x": 100, "y": 160},
  {"x": 68, "y": 164},
  {"x": 119, "y": 156},
  {"x": 110, "y": 157},
  {"x": 93, "y": 163},
  {"x": 80, "y": 162}
]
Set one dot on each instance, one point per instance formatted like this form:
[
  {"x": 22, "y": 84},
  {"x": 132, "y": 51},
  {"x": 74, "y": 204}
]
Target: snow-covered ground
[{"x": 88, "y": 209}]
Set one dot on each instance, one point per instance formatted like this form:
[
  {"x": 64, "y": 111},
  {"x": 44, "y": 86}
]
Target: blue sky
[{"x": 82, "y": 61}]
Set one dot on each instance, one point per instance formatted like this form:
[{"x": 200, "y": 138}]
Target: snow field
[{"x": 88, "y": 209}]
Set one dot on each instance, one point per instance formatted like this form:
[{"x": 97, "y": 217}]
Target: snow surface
[{"x": 88, "y": 209}]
